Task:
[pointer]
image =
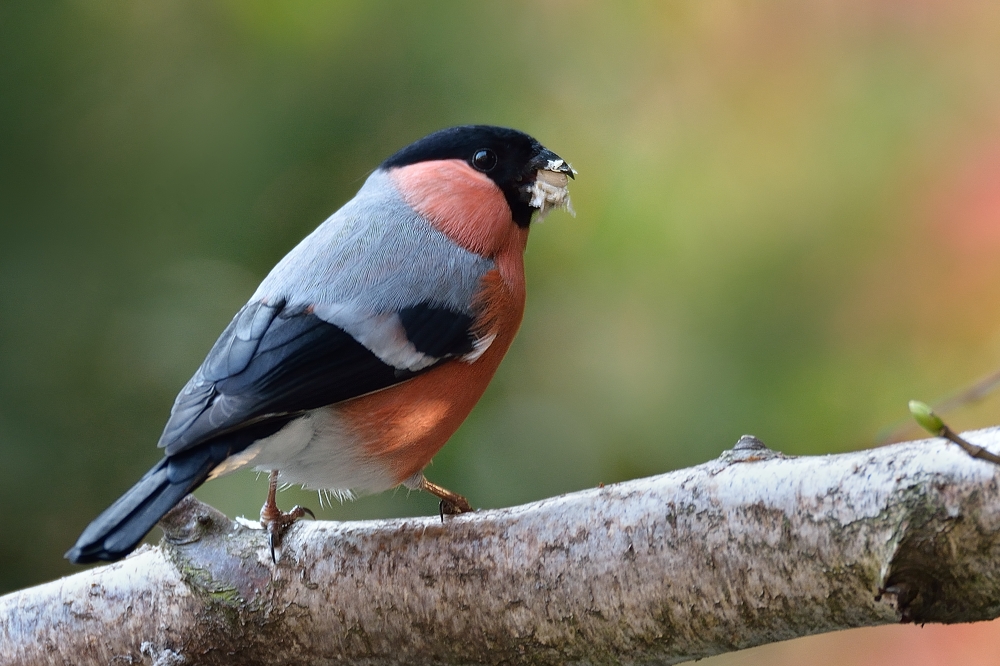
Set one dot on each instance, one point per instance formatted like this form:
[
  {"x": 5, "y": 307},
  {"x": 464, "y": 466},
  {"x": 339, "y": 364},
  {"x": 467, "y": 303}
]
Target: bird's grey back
[{"x": 376, "y": 255}]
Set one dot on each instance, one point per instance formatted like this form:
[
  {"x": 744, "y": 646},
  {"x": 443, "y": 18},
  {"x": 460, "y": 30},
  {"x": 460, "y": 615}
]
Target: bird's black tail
[{"x": 120, "y": 528}]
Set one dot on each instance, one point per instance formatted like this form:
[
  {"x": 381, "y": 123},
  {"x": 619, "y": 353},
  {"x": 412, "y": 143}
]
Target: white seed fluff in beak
[{"x": 550, "y": 191}]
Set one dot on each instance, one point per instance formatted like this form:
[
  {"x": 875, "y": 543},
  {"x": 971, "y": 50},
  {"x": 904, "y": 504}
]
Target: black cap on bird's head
[{"x": 510, "y": 158}]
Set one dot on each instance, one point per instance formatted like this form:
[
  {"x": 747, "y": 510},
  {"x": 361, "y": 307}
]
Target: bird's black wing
[{"x": 273, "y": 360}]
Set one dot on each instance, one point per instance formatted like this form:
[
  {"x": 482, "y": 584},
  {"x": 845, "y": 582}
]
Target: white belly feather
[{"x": 316, "y": 451}]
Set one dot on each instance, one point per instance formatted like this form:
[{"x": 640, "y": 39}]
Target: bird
[{"x": 367, "y": 345}]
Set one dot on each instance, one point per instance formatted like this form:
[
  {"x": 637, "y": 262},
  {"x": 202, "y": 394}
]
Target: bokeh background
[{"x": 788, "y": 225}]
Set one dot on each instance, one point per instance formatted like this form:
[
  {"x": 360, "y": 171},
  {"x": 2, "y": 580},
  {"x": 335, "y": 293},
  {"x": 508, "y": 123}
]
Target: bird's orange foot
[
  {"x": 451, "y": 503},
  {"x": 277, "y": 521},
  {"x": 274, "y": 519},
  {"x": 453, "y": 508}
]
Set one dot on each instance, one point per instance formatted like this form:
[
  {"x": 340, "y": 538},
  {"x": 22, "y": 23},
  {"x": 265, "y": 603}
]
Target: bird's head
[{"x": 531, "y": 177}]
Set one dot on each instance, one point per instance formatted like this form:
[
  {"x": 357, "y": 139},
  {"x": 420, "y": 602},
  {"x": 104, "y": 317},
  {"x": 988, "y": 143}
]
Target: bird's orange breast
[{"x": 401, "y": 428}]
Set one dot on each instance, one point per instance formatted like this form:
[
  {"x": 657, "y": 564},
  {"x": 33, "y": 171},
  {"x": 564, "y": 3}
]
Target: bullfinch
[{"x": 368, "y": 344}]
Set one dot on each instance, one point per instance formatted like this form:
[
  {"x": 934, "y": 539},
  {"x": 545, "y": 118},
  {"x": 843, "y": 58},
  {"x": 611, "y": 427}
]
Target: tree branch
[{"x": 751, "y": 548}]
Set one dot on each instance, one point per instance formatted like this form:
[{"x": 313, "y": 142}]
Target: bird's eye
[{"x": 484, "y": 159}]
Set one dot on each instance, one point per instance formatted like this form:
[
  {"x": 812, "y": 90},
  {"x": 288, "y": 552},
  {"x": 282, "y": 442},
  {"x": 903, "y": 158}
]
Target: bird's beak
[
  {"x": 547, "y": 189},
  {"x": 546, "y": 160}
]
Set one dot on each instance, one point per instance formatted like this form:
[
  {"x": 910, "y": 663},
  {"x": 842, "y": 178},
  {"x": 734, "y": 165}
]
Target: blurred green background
[{"x": 788, "y": 225}]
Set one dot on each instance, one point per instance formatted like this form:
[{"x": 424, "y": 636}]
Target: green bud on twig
[
  {"x": 926, "y": 417},
  {"x": 931, "y": 422}
]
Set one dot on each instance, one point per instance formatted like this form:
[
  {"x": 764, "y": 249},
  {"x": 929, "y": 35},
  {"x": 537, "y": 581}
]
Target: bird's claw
[
  {"x": 453, "y": 507},
  {"x": 276, "y": 522},
  {"x": 451, "y": 504}
]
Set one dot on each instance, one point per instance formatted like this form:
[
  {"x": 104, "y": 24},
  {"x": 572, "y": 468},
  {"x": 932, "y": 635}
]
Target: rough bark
[{"x": 751, "y": 548}]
